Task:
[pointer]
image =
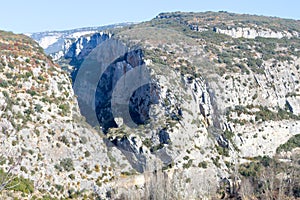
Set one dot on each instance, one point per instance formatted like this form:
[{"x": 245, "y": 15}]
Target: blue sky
[{"x": 41, "y": 15}]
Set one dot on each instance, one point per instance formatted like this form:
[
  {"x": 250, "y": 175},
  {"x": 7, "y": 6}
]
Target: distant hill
[{"x": 53, "y": 41}]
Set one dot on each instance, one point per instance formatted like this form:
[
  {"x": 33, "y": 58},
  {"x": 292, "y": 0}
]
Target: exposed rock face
[
  {"x": 202, "y": 104},
  {"x": 134, "y": 155},
  {"x": 55, "y": 42},
  {"x": 202, "y": 107},
  {"x": 140, "y": 100},
  {"x": 164, "y": 137},
  {"x": 83, "y": 46},
  {"x": 106, "y": 74},
  {"x": 255, "y": 32},
  {"x": 41, "y": 127}
]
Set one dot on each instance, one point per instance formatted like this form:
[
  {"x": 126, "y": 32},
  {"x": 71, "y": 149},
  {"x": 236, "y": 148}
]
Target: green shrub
[
  {"x": 228, "y": 134},
  {"x": 188, "y": 180},
  {"x": 59, "y": 187},
  {"x": 23, "y": 169},
  {"x": 250, "y": 169},
  {"x": 292, "y": 143},
  {"x": 10, "y": 65},
  {"x": 28, "y": 74},
  {"x": 67, "y": 164},
  {"x": 3, "y": 84},
  {"x": 185, "y": 157},
  {"x": 222, "y": 151},
  {"x": 203, "y": 164},
  {"x": 188, "y": 164},
  {"x": 38, "y": 108},
  {"x": 126, "y": 173},
  {"x": 41, "y": 78},
  {"x": 73, "y": 194},
  {"x": 64, "y": 109},
  {"x": 5, "y": 93},
  {"x": 64, "y": 139},
  {"x": 72, "y": 176},
  {"x": 20, "y": 184},
  {"x": 216, "y": 161},
  {"x": 87, "y": 153},
  {"x": 265, "y": 161},
  {"x": 147, "y": 142},
  {"x": 31, "y": 92}
]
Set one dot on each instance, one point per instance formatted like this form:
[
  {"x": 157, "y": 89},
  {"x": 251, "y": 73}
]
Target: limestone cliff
[
  {"x": 219, "y": 99},
  {"x": 175, "y": 108},
  {"x": 255, "y": 32}
]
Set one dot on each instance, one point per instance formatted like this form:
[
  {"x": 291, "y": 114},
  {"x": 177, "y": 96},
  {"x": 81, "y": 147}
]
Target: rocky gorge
[{"x": 184, "y": 106}]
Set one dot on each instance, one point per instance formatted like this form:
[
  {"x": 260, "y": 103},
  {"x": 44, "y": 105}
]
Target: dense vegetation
[
  {"x": 267, "y": 178},
  {"x": 292, "y": 143}
]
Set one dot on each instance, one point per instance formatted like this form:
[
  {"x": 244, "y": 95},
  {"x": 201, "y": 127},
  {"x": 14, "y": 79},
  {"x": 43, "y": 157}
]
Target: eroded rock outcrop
[
  {"x": 252, "y": 33},
  {"x": 206, "y": 108}
]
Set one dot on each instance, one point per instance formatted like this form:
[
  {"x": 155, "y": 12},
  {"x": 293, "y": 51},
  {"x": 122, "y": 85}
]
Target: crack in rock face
[
  {"x": 114, "y": 86},
  {"x": 124, "y": 85}
]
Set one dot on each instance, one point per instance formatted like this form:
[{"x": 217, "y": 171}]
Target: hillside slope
[
  {"x": 184, "y": 106},
  {"x": 225, "y": 91},
  {"x": 43, "y": 136}
]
